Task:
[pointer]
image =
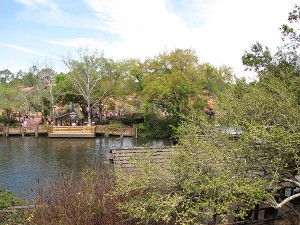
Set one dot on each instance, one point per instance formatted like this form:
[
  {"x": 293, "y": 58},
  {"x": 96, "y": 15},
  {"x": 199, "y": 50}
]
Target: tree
[
  {"x": 86, "y": 75},
  {"x": 47, "y": 77},
  {"x": 285, "y": 62},
  {"x": 10, "y": 99},
  {"x": 65, "y": 92},
  {"x": 267, "y": 113},
  {"x": 174, "y": 83},
  {"x": 6, "y": 76},
  {"x": 31, "y": 78}
]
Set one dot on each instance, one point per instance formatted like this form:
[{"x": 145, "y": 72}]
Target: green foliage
[
  {"x": 65, "y": 92},
  {"x": 173, "y": 84},
  {"x": 10, "y": 99},
  {"x": 8, "y": 199},
  {"x": 267, "y": 113},
  {"x": 198, "y": 180},
  {"x": 158, "y": 126}
]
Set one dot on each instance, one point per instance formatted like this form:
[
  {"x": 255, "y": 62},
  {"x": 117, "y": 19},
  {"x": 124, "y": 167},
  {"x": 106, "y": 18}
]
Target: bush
[
  {"x": 156, "y": 127},
  {"x": 80, "y": 200},
  {"x": 8, "y": 199}
]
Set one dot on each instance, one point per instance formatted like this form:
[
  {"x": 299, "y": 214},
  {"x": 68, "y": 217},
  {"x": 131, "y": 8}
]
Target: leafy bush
[
  {"x": 156, "y": 127},
  {"x": 8, "y": 199}
]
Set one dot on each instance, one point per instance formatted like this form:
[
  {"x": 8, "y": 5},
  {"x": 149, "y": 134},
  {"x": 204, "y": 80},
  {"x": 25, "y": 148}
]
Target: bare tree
[{"x": 86, "y": 73}]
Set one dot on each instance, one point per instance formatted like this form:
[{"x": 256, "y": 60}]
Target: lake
[{"x": 23, "y": 161}]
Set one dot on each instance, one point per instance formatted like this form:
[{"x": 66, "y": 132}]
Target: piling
[{"x": 36, "y": 131}]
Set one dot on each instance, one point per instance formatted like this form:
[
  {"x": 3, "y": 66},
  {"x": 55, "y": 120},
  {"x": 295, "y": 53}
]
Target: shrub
[
  {"x": 80, "y": 200},
  {"x": 8, "y": 199}
]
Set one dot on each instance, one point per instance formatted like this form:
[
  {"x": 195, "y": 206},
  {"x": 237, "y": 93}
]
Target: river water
[{"x": 23, "y": 161}]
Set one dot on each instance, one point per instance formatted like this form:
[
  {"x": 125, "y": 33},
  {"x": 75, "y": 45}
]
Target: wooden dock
[
  {"x": 68, "y": 131},
  {"x": 71, "y": 131},
  {"x": 24, "y": 131},
  {"x": 115, "y": 130}
]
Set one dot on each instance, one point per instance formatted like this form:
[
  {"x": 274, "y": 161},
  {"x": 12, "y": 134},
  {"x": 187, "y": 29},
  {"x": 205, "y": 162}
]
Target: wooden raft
[{"x": 123, "y": 158}]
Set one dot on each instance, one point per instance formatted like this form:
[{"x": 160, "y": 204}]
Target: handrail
[{"x": 72, "y": 129}]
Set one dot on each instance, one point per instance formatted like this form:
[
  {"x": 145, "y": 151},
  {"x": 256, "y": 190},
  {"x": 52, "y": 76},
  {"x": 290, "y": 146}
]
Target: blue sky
[{"x": 39, "y": 31}]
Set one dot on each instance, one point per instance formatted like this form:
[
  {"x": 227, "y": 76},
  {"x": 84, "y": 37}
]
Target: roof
[{"x": 77, "y": 115}]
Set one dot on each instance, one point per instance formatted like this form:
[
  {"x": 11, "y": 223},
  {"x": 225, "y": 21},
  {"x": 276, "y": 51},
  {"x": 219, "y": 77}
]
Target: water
[{"x": 24, "y": 160}]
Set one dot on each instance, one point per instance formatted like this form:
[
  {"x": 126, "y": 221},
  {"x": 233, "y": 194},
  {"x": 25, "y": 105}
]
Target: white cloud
[
  {"x": 228, "y": 27},
  {"x": 38, "y": 3},
  {"x": 141, "y": 28},
  {"x": 23, "y": 49},
  {"x": 80, "y": 42}
]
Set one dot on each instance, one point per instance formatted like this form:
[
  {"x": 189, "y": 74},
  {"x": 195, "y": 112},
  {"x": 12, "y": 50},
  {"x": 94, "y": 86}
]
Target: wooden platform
[
  {"x": 122, "y": 158},
  {"x": 71, "y": 131}
]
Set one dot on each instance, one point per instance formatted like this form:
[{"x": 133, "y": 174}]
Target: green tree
[
  {"x": 65, "y": 92},
  {"x": 174, "y": 83},
  {"x": 10, "y": 99},
  {"x": 267, "y": 113},
  {"x": 6, "y": 76},
  {"x": 31, "y": 78},
  {"x": 284, "y": 63}
]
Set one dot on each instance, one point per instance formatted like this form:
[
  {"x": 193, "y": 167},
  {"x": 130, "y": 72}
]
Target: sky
[{"x": 41, "y": 32}]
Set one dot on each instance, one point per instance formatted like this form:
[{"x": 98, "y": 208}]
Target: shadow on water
[{"x": 23, "y": 161}]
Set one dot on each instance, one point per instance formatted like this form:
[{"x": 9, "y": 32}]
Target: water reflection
[{"x": 23, "y": 160}]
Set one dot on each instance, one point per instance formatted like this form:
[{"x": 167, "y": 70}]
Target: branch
[
  {"x": 292, "y": 181},
  {"x": 279, "y": 205}
]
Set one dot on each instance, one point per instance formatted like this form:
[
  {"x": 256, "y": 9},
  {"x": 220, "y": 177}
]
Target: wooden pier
[
  {"x": 69, "y": 131},
  {"x": 24, "y": 131}
]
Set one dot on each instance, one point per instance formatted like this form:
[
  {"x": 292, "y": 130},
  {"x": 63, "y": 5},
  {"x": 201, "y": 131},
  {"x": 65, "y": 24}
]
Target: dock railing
[{"x": 71, "y": 129}]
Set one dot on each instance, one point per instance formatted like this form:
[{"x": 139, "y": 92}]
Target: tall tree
[
  {"x": 86, "y": 75},
  {"x": 174, "y": 83},
  {"x": 6, "y": 76}
]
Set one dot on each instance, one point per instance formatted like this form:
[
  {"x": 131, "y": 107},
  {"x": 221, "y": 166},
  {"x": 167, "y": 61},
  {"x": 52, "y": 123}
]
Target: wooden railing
[
  {"x": 20, "y": 130},
  {"x": 115, "y": 130},
  {"x": 72, "y": 129}
]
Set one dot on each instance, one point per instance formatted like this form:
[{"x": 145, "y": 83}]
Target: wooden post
[
  {"x": 7, "y": 131},
  {"x": 256, "y": 212},
  {"x": 122, "y": 135},
  {"x": 36, "y": 131},
  {"x": 106, "y": 132},
  {"x": 271, "y": 213},
  {"x": 23, "y": 131},
  {"x": 136, "y": 132}
]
